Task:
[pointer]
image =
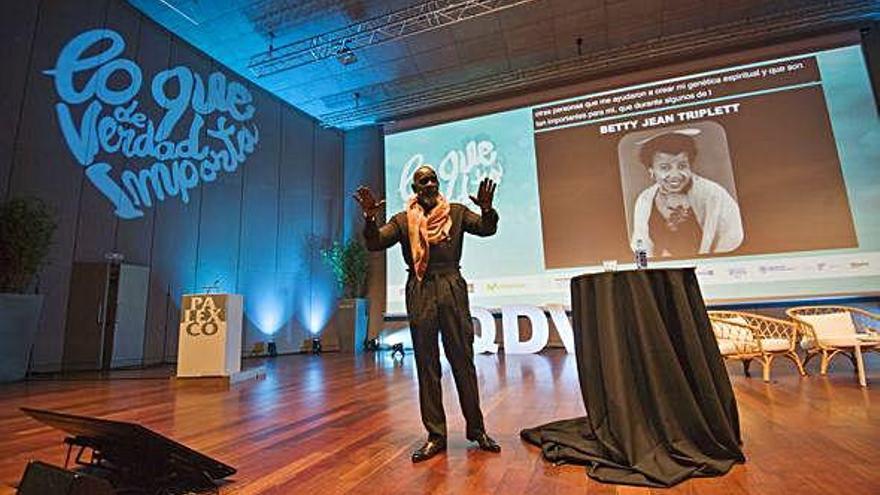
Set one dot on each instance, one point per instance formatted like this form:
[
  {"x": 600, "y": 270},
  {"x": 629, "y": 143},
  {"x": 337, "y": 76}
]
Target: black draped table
[{"x": 660, "y": 408}]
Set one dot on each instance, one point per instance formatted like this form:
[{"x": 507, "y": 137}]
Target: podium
[{"x": 209, "y": 339}]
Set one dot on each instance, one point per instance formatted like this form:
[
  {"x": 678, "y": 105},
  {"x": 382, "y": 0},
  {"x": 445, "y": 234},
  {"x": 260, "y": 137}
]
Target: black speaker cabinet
[{"x": 46, "y": 479}]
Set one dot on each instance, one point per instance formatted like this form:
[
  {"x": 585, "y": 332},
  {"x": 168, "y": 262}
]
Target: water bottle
[{"x": 641, "y": 255}]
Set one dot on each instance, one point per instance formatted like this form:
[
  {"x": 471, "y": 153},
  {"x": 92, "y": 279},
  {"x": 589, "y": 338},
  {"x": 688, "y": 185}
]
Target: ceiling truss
[
  {"x": 399, "y": 24},
  {"x": 701, "y": 41}
]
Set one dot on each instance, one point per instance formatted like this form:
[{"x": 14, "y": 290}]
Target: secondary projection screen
[{"x": 766, "y": 176}]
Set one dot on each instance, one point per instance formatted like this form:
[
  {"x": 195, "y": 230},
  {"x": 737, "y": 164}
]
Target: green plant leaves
[
  {"x": 26, "y": 229},
  {"x": 349, "y": 264}
]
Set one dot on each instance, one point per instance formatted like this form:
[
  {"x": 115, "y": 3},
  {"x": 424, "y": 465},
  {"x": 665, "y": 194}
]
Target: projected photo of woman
[{"x": 680, "y": 210}]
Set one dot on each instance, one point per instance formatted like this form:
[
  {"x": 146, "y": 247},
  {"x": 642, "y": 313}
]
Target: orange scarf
[{"x": 426, "y": 230}]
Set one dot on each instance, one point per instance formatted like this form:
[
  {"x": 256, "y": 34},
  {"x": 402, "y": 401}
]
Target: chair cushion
[
  {"x": 732, "y": 332},
  {"x": 774, "y": 345},
  {"x": 727, "y": 347},
  {"x": 848, "y": 341},
  {"x": 831, "y": 325}
]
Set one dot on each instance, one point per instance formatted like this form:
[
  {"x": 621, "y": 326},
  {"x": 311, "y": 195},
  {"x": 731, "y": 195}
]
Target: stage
[{"x": 337, "y": 423}]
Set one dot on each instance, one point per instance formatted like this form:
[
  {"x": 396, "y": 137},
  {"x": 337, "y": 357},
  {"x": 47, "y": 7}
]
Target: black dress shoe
[
  {"x": 432, "y": 447},
  {"x": 486, "y": 443}
]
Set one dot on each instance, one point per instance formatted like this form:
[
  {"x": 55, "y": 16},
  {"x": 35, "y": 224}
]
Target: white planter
[{"x": 19, "y": 316}]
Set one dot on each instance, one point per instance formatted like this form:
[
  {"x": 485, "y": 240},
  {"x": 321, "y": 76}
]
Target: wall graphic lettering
[
  {"x": 132, "y": 159},
  {"x": 460, "y": 171}
]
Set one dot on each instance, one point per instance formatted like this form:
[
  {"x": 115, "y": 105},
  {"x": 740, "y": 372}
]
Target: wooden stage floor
[{"x": 341, "y": 424}]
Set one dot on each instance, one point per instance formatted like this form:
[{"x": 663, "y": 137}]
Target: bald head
[{"x": 426, "y": 186}]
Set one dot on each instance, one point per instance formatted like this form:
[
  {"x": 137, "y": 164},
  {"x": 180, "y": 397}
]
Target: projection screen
[{"x": 765, "y": 176}]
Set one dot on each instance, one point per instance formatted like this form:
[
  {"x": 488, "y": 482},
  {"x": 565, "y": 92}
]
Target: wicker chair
[
  {"x": 747, "y": 336},
  {"x": 827, "y": 331}
]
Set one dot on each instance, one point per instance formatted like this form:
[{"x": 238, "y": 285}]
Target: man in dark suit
[{"x": 431, "y": 232}]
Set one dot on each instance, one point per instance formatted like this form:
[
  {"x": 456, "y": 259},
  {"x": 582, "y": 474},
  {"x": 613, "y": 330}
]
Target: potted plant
[
  {"x": 350, "y": 264},
  {"x": 26, "y": 228}
]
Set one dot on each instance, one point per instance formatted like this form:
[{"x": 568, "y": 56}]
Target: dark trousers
[{"x": 439, "y": 305}]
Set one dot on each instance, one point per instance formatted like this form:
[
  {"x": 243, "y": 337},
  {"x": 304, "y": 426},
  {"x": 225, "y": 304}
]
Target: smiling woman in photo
[{"x": 682, "y": 213}]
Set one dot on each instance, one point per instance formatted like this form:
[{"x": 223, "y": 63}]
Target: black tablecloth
[{"x": 660, "y": 408}]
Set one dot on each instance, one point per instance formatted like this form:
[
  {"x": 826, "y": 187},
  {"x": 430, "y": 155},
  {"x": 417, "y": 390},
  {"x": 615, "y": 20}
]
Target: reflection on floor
[{"x": 337, "y": 423}]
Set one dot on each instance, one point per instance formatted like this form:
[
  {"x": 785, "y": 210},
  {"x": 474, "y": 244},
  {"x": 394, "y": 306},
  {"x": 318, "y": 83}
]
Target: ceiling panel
[
  {"x": 536, "y": 37},
  {"x": 477, "y": 57},
  {"x": 488, "y": 48},
  {"x": 444, "y": 57},
  {"x": 478, "y": 27}
]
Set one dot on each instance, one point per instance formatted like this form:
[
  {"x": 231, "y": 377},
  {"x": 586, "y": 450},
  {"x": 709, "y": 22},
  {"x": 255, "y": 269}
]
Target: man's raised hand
[
  {"x": 485, "y": 195},
  {"x": 368, "y": 202}
]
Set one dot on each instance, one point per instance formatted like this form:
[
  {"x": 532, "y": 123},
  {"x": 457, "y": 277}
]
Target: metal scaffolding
[
  {"x": 399, "y": 24},
  {"x": 816, "y": 19}
]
